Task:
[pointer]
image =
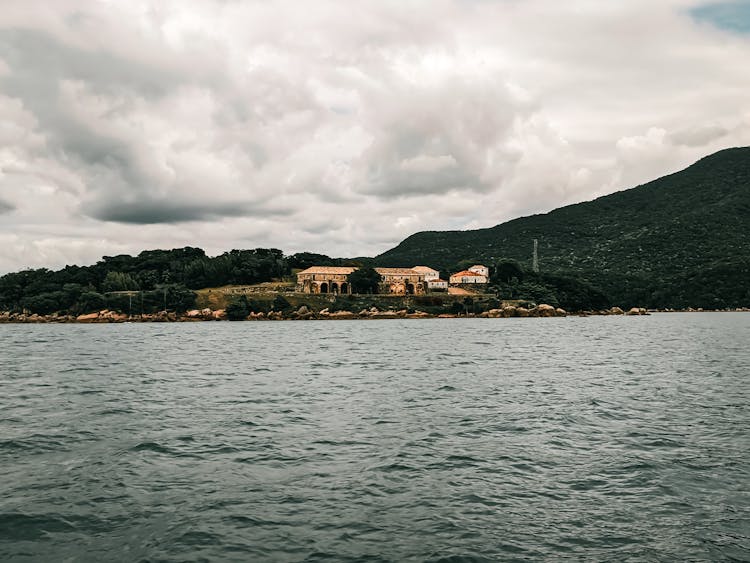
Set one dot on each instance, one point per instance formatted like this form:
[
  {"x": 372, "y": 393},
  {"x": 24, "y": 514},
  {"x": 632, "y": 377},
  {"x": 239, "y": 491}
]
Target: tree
[
  {"x": 281, "y": 304},
  {"x": 364, "y": 280},
  {"x": 91, "y": 301},
  {"x": 119, "y": 281},
  {"x": 238, "y": 309},
  {"x": 506, "y": 270}
]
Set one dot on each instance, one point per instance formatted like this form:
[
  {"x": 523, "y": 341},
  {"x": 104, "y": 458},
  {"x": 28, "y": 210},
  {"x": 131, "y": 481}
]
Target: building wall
[
  {"x": 482, "y": 270},
  {"x": 402, "y": 284},
  {"x": 324, "y": 283}
]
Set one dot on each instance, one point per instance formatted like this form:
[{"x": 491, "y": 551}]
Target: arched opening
[
  {"x": 334, "y": 287},
  {"x": 324, "y": 287},
  {"x": 344, "y": 287},
  {"x": 410, "y": 289}
]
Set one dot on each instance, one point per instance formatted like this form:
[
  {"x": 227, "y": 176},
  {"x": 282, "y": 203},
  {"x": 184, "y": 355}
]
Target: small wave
[
  {"x": 159, "y": 449},
  {"x": 36, "y": 443},
  {"x": 31, "y": 527},
  {"x": 391, "y": 467},
  {"x": 200, "y": 538},
  {"x": 447, "y": 388}
]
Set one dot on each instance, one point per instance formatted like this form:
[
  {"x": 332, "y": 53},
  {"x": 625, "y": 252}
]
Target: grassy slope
[{"x": 675, "y": 241}]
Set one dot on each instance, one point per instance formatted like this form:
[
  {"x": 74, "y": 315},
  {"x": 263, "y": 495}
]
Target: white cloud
[{"x": 337, "y": 127}]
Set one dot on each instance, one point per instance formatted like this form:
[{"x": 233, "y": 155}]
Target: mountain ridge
[{"x": 655, "y": 244}]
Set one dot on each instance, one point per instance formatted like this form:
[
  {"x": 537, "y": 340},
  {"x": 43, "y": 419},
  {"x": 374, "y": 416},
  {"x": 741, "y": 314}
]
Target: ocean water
[{"x": 599, "y": 439}]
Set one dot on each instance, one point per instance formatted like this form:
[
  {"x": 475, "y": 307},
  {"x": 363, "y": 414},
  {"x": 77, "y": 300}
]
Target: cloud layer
[{"x": 343, "y": 127}]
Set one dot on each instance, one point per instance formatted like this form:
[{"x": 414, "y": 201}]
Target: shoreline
[{"x": 304, "y": 314}]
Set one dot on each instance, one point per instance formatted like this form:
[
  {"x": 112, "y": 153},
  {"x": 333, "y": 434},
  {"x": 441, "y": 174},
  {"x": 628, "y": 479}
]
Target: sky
[{"x": 342, "y": 127}]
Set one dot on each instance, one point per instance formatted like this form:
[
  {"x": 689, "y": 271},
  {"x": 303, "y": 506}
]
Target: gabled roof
[
  {"x": 328, "y": 270},
  {"x": 466, "y": 273},
  {"x": 397, "y": 271},
  {"x": 424, "y": 269}
]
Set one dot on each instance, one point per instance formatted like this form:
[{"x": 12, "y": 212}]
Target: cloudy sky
[{"x": 343, "y": 126}]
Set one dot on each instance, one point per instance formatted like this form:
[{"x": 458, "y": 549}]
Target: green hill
[{"x": 682, "y": 240}]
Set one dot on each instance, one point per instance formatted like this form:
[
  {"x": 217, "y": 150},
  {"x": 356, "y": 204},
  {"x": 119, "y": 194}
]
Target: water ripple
[{"x": 467, "y": 441}]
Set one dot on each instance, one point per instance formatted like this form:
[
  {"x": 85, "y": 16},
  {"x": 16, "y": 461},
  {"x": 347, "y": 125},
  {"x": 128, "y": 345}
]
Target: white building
[
  {"x": 432, "y": 277},
  {"x": 481, "y": 270},
  {"x": 467, "y": 276},
  {"x": 437, "y": 284}
]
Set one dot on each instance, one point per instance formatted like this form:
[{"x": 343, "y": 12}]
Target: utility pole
[{"x": 535, "y": 258}]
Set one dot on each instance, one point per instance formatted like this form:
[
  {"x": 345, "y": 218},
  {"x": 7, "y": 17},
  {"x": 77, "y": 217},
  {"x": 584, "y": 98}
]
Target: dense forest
[
  {"x": 680, "y": 241},
  {"x": 161, "y": 278}
]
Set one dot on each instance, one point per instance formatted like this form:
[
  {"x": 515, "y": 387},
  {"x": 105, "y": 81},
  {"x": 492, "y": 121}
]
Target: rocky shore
[{"x": 304, "y": 313}]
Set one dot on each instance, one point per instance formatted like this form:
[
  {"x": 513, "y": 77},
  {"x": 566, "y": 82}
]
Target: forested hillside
[{"x": 680, "y": 241}]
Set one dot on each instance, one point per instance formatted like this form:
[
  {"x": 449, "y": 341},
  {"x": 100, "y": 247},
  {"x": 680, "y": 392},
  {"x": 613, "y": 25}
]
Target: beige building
[
  {"x": 432, "y": 277},
  {"x": 396, "y": 281},
  {"x": 467, "y": 277},
  {"x": 325, "y": 279},
  {"x": 429, "y": 273},
  {"x": 401, "y": 281}
]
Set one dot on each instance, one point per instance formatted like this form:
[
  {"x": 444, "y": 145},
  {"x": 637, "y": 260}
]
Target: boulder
[
  {"x": 509, "y": 311},
  {"x": 384, "y": 315},
  {"x": 303, "y": 310},
  {"x": 544, "y": 310},
  {"x": 560, "y": 312},
  {"x": 521, "y": 312},
  {"x": 419, "y": 315},
  {"x": 616, "y": 311},
  {"x": 219, "y": 314},
  {"x": 342, "y": 315},
  {"x": 89, "y": 318},
  {"x": 193, "y": 313},
  {"x": 634, "y": 311}
]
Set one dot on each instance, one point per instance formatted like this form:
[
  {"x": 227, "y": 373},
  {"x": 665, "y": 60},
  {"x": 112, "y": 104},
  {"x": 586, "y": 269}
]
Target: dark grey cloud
[
  {"x": 149, "y": 212},
  {"x": 6, "y": 207},
  {"x": 39, "y": 61}
]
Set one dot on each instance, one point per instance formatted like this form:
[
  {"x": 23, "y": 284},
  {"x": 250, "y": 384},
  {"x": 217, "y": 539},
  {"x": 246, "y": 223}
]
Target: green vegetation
[
  {"x": 152, "y": 281},
  {"x": 679, "y": 241},
  {"x": 364, "y": 280}
]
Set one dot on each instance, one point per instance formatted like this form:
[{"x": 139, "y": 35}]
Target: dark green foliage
[
  {"x": 303, "y": 260},
  {"x": 679, "y": 241},
  {"x": 281, "y": 304},
  {"x": 457, "y": 308},
  {"x": 238, "y": 309},
  {"x": 150, "y": 272},
  {"x": 364, "y": 280},
  {"x": 506, "y": 271},
  {"x": 119, "y": 281},
  {"x": 91, "y": 301}
]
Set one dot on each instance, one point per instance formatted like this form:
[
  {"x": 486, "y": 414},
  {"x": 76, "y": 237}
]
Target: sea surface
[{"x": 595, "y": 439}]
